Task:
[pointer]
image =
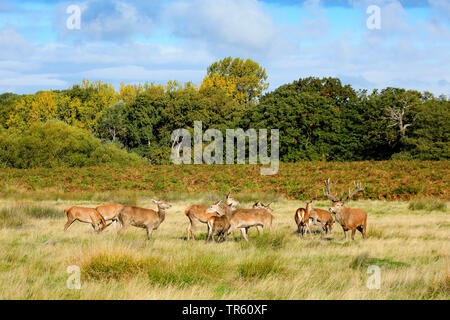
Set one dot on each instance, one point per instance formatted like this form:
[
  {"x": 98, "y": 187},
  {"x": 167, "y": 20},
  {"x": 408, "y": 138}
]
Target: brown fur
[
  {"x": 301, "y": 218},
  {"x": 324, "y": 217},
  {"x": 85, "y": 215},
  {"x": 220, "y": 224},
  {"x": 243, "y": 219},
  {"x": 110, "y": 211},
  {"x": 197, "y": 213},
  {"x": 143, "y": 218},
  {"x": 350, "y": 219}
]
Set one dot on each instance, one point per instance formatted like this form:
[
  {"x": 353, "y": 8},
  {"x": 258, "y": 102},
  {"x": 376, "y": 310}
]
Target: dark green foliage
[
  {"x": 55, "y": 144},
  {"x": 318, "y": 119}
]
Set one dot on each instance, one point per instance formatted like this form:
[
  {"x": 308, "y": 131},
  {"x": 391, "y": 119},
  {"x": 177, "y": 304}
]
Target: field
[{"x": 408, "y": 241}]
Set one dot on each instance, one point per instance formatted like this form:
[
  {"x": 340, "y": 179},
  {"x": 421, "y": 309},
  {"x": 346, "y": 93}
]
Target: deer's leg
[
  {"x": 211, "y": 232},
  {"x": 345, "y": 233},
  {"x": 214, "y": 234},
  {"x": 123, "y": 226},
  {"x": 69, "y": 223},
  {"x": 362, "y": 229},
  {"x": 308, "y": 229},
  {"x": 244, "y": 233},
  {"x": 353, "y": 234},
  {"x": 190, "y": 232},
  {"x": 149, "y": 232},
  {"x": 260, "y": 230}
]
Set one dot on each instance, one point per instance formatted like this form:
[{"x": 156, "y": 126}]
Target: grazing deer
[
  {"x": 197, "y": 213},
  {"x": 324, "y": 217},
  {"x": 260, "y": 216},
  {"x": 143, "y": 218},
  {"x": 301, "y": 217},
  {"x": 110, "y": 212},
  {"x": 85, "y": 215},
  {"x": 348, "y": 218}
]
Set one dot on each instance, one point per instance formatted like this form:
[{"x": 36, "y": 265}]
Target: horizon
[{"x": 137, "y": 42}]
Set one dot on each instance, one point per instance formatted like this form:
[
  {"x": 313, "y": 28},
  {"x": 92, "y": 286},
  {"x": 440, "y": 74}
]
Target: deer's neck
[
  {"x": 161, "y": 214},
  {"x": 228, "y": 212},
  {"x": 342, "y": 216}
]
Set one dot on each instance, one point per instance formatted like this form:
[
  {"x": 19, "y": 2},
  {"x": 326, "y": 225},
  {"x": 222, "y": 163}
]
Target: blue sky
[{"x": 156, "y": 41}]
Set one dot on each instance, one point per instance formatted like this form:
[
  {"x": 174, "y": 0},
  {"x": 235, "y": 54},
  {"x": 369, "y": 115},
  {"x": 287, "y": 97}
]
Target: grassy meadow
[{"x": 409, "y": 241}]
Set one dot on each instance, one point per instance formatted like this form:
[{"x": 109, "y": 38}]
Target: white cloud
[
  {"x": 13, "y": 44},
  {"x": 138, "y": 73},
  {"x": 223, "y": 23}
]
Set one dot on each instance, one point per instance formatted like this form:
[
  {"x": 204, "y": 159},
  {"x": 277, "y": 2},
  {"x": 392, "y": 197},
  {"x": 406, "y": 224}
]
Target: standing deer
[
  {"x": 260, "y": 216},
  {"x": 143, "y": 218},
  {"x": 220, "y": 224},
  {"x": 85, "y": 215},
  {"x": 348, "y": 218},
  {"x": 324, "y": 217},
  {"x": 197, "y": 213},
  {"x": 301, "y": 217},
  {"x": 110, "y": 212}
]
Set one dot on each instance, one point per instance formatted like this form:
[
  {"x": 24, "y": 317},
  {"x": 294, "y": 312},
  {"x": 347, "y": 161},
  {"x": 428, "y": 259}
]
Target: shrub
[
  {"x": 55, "y": 144},
  {"x": 10, "y": 218},
  {"x": 428, "y": 205}
]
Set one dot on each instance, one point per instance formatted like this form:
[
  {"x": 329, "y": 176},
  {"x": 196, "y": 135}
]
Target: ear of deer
[
  {"x": 218, "y": 202},
  {"x": 228, "y": 195},
  {"x": 328, "y": 194},
  {"x": 358, "y": 187}
]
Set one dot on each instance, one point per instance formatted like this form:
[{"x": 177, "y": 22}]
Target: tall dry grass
[{"x": 411, "y": 247}]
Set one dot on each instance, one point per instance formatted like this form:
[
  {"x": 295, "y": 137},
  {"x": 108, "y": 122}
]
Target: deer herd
[{"x": 223, "y": 217}]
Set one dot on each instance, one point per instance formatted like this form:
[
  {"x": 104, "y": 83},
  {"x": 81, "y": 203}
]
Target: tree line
[{"x": 318, "y": 119}]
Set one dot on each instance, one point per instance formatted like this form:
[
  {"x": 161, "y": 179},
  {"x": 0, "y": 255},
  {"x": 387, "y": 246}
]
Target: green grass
[
  {"x": 427, "y": 205},
  {"x": 259, "y": 268}
]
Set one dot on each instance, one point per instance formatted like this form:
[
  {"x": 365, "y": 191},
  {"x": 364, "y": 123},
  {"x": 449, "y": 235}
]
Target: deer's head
[
  {"x": 216, "y": 208},
  {"x": 162, "y": 204},
  {"x": 230, "y": 201},
  {"x": 338, "y": 203},
  {"x": 267, "y": 207},
  {"x": 308, "y": 206}
]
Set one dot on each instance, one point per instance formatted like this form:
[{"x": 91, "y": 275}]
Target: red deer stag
[{"x": 348, "y": 218}]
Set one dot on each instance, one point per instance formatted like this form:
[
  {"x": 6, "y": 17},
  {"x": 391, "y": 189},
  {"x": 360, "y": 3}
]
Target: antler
[
  {"x": 328, "y": 194},
  {"x": 358, "y": 187}
]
